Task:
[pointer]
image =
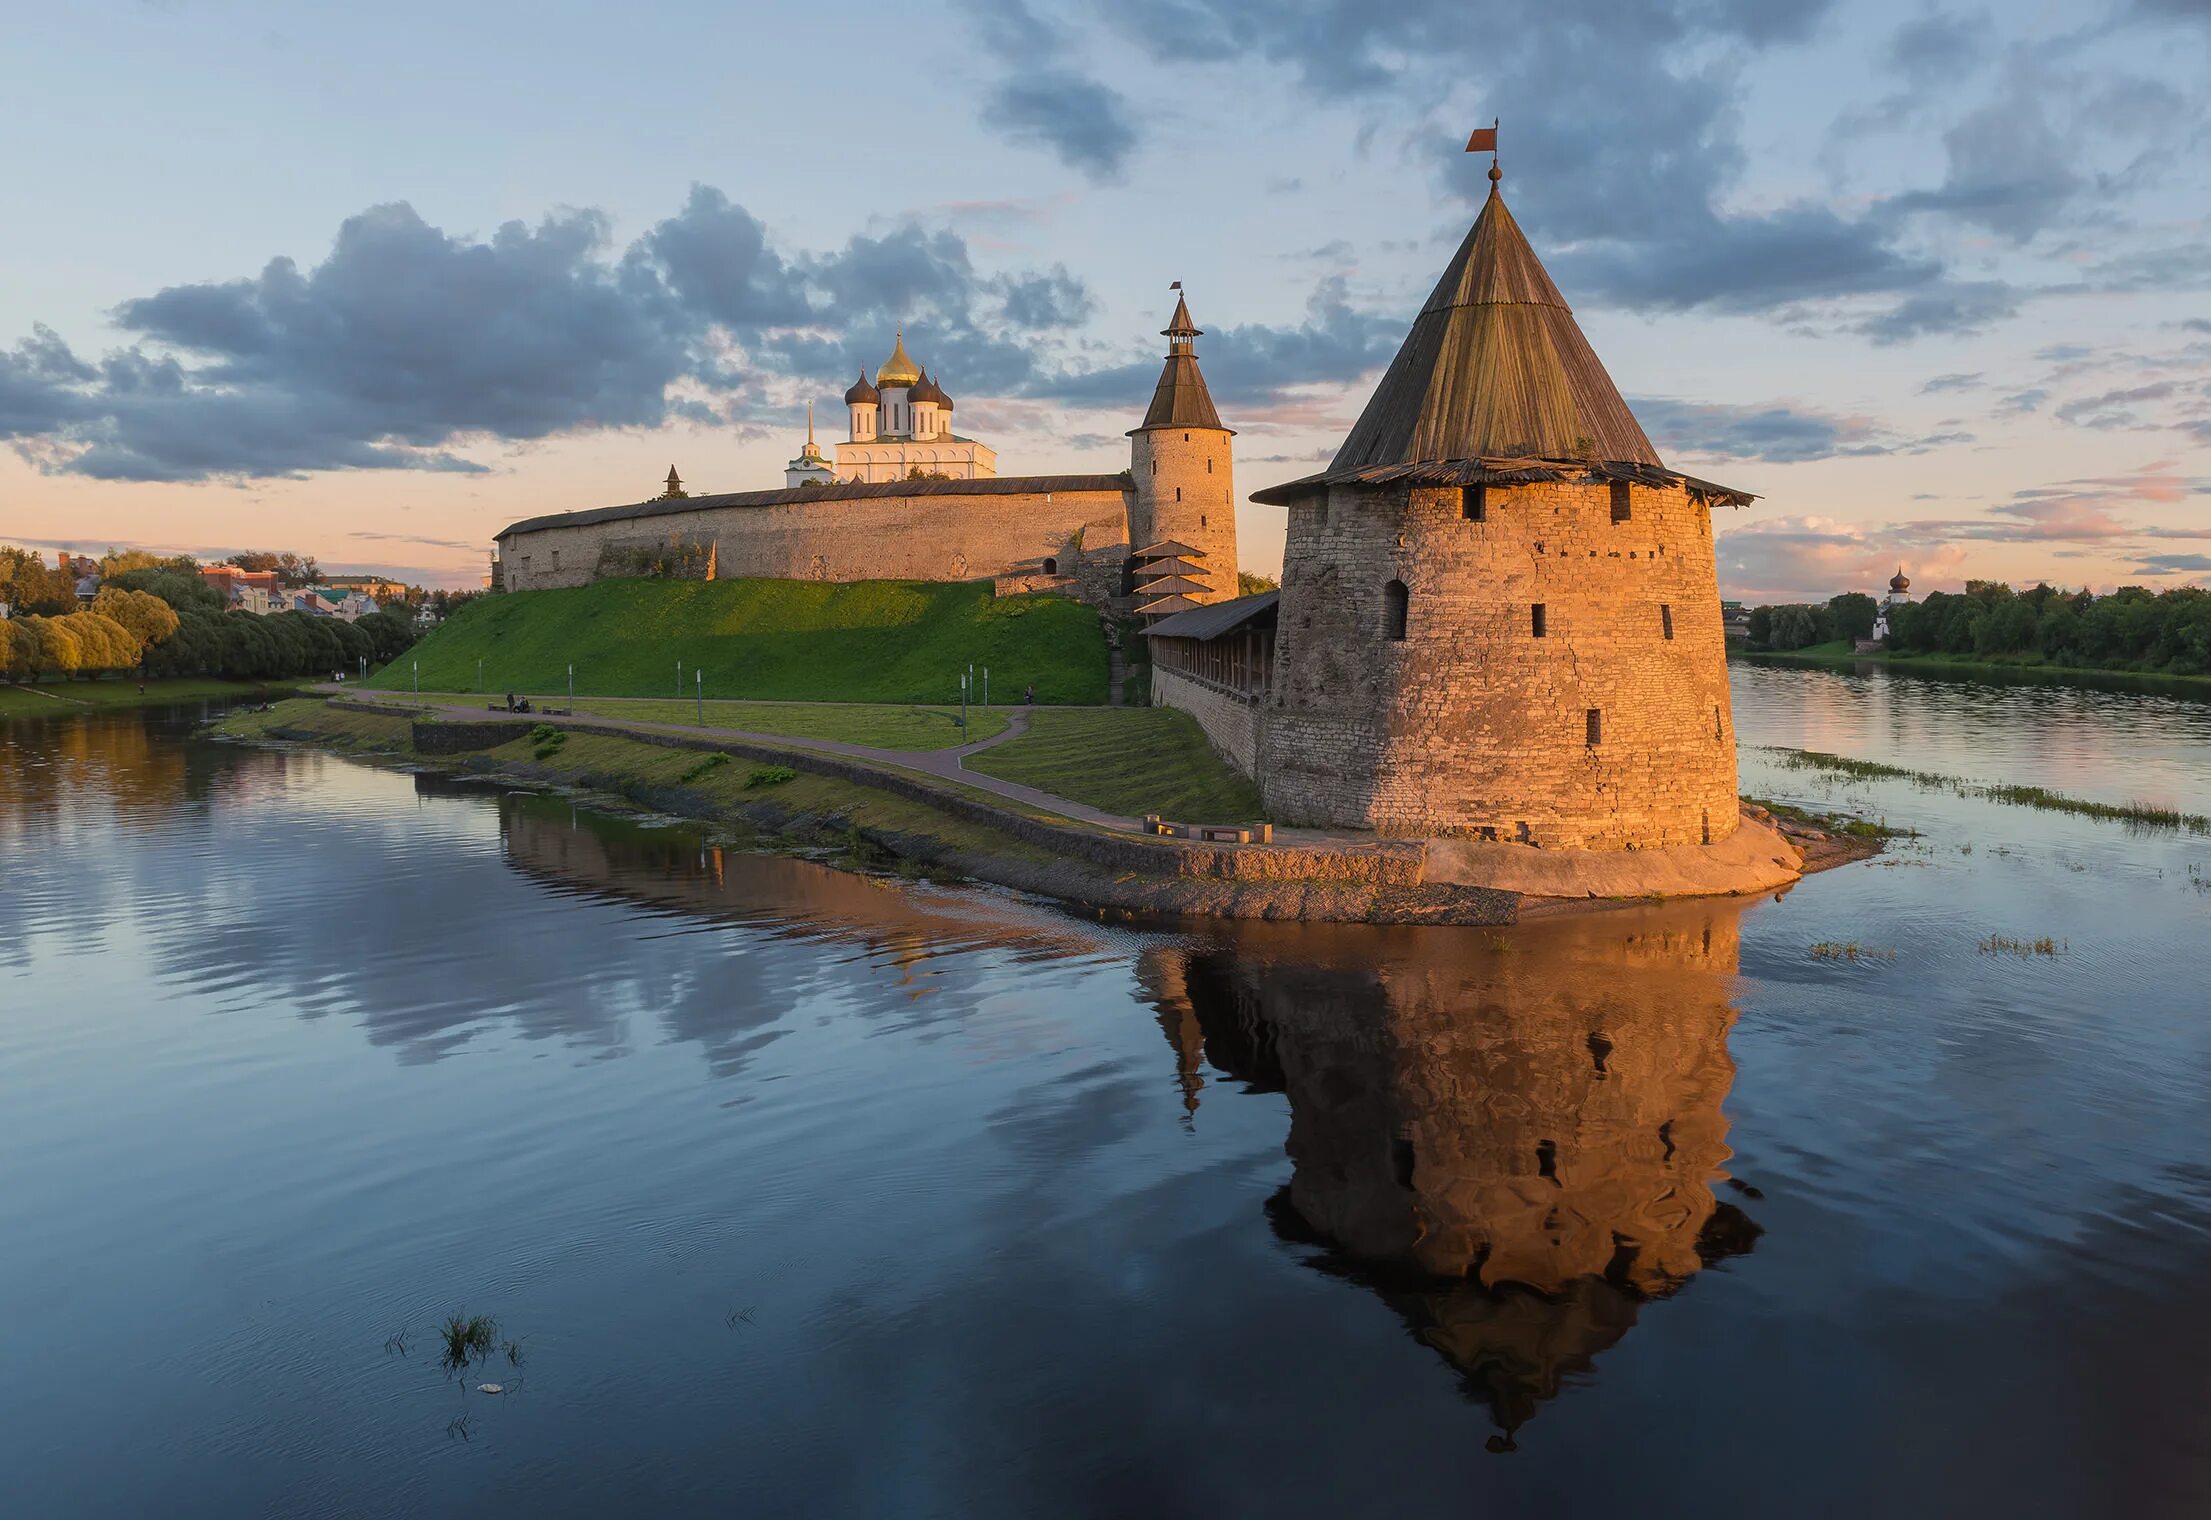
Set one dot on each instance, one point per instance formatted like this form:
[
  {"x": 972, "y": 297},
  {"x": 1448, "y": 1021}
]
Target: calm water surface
[{"x": 804, "y": 1194}]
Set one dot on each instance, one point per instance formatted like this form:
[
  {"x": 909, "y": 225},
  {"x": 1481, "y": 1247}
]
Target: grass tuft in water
[
  {"x": 1850, "y": 950},
  {"x": 467, "y": 1339},
  {"x": 2152, "y": 815},
  {"x": 2003, "y": 944}
]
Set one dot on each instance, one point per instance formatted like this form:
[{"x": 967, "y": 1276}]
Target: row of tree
[
  {"x": 159, "y": 616},
  {"x": 1799, "y": 625},
  {"x": 2132, "y": 628},
  {"x": 33, "y": 584}
]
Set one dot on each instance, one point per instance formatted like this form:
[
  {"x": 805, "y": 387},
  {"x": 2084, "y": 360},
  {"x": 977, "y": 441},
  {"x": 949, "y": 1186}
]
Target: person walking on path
[{"x": 1028, "y": 697}]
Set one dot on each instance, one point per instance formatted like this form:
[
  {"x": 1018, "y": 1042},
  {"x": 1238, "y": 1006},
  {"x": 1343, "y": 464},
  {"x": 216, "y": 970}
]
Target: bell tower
[{"x": 1184, "y": 471}]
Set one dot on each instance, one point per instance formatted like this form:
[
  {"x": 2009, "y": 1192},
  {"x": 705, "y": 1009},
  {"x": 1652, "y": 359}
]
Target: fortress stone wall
[
  {"x": 1474, "y": 723},
  {"x": 910, "y": 530}
]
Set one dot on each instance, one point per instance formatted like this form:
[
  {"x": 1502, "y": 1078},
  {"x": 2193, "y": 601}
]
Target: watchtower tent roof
[
  {"x": 1181, "y": 399},
  {"x": 1494, "y": 365}
]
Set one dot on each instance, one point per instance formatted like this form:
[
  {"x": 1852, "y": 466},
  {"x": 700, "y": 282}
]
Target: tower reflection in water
[{"x": 1513, "y": 1138}]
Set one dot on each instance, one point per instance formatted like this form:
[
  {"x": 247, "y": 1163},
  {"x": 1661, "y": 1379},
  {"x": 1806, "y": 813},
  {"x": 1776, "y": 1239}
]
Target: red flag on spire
[{"x": 1484, "y": 140}]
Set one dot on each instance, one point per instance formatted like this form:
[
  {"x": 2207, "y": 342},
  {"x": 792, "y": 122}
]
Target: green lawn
[
  {"x": 1129, "y": 760},
  {"x": 51, "y": 697},
  {"x": 805, "y": 641},
  {"x": 884, "y": 725}
]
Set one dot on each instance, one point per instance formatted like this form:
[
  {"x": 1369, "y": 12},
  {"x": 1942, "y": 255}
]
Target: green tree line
[
  {"x": 2132, "y": 628},
  {"x": 159, "y": 617}
]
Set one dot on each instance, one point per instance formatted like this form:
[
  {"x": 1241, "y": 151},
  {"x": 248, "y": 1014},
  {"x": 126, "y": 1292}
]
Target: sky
[{"x": 1933, "y": 281}]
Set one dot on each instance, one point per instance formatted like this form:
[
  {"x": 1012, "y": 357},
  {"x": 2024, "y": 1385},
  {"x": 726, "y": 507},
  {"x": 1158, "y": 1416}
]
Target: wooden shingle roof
[
  {"x": 1495, "y": 383},
  {"x": 1494, "y": 364}
]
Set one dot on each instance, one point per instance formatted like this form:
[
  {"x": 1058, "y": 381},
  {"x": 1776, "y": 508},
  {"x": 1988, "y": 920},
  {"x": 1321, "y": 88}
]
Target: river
[{"x": 801, "y": 1193}]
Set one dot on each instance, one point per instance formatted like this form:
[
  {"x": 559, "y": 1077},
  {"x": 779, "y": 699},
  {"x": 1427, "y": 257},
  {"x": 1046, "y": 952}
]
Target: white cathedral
[{"x": 901, "y": 426}]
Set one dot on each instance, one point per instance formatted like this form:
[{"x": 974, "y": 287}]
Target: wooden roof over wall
[{"x": 996, "y": 485}]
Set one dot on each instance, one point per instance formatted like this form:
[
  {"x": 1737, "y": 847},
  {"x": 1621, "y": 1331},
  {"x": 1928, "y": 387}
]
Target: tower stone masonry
[
  {"x": 1500, "y": 611},
  {"x": 1182, "y": 467}
]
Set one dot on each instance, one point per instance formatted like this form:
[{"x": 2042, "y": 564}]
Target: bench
[{"x": 1209, "y": 833}]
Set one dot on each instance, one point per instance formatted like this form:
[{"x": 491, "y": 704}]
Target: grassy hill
[{"x": 821, "y": 641}]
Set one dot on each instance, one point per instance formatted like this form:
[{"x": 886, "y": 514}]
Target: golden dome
[{"x": 898, "y": 369}]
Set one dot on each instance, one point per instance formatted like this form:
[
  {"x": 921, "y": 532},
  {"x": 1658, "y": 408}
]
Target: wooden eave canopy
[
  {"x": 1166, "y": 605},
  {"x": 1168, "y": 549},
  {"x": 1505, "y": 472}
]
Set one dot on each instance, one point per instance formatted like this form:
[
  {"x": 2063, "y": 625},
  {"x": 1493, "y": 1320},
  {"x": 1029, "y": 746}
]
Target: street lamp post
[
  {"x": 963, "y": 705},
  {"x": 701, "y": 689},
  {"x": 571, "y": 684},
  {"x": 986, "y": 688},
  {"x": 418, "y": 678},
  {"x": 679, "y": 680},
  {"x": 479, "y": 675}
]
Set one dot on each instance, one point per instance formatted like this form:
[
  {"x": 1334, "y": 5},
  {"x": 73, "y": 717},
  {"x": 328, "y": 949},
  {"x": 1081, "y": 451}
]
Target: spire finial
[
  {"x": 809, "y": 422},
  {"x": 1484, "y": 140}
]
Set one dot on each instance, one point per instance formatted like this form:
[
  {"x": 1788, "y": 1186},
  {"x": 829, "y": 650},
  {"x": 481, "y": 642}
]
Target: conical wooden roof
[
  {"x": 1495, "y": 365},
  {"x": 1180, "y": 400}
]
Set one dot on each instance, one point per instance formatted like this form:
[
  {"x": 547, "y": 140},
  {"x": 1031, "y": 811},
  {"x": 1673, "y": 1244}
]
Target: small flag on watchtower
[
  {"x": 1484, "y": 139},
  {"x": 1176, "y": 286}
]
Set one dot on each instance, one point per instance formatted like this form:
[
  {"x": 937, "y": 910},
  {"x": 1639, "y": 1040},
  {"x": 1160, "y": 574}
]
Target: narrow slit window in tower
[
  {"x": 1620, "y": 509},
  {"x": 1666, "y": 618},
  {"x": 1178, "y": 493},
  {"x": 1594, "y": 733},
  {"x": 1394, "y": 602},
  {"x": 1536, "y": 618},
  {"x": 1474, "y": 503}
]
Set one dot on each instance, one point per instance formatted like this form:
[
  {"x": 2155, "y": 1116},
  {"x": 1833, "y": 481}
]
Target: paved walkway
[{"x": 945, "y": 764}]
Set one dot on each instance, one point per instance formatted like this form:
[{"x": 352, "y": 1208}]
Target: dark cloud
[
  {"x": 1944, "y": 306},
  {"x": 715, "y": 258},
  {"x": 1772, "y": 434},
  {"x": 1938, "y": 49},
  {"x": 2172, "y": 564},
  {"x": 1044, "y": 102},
  {"x": 2114, "y": 409},
  {"x": 1087, "y": 125},
  {"x": 1044, "y": 301},
  {"x": 401, "y": 342}
]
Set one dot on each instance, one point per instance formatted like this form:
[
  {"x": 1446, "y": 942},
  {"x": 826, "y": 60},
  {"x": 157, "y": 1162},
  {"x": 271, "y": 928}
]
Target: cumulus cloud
[{"x": 407, "y": 344}]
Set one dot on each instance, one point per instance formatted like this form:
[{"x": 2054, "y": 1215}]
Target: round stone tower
[
  {"x": 1182, "y": 465},
  {"x": 1500, "y": 614}
]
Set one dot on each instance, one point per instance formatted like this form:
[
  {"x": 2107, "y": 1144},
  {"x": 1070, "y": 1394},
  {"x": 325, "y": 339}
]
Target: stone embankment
[{"x": 1063, "y": 850}]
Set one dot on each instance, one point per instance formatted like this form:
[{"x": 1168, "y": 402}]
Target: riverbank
[
  {"x": 51, "y": 698},
  {"x": 919, "y": 814},
  {"x": 1840, "y": 656}
]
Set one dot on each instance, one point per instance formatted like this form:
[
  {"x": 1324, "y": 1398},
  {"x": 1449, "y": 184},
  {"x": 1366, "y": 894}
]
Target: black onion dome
[
  {"x": 926, "y": 391},
  {"x": 862, "y": 393}
]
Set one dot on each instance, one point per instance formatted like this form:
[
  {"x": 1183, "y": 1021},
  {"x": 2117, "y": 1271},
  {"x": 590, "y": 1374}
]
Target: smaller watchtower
[{"x": 1183, "y": 469}]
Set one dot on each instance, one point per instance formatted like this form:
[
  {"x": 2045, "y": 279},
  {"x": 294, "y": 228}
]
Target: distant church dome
[
  {"x": 1900, "y": 582},
  {"x": 927, "y": 391},
  {"x": 899, "y": 368},
  {"x": 862, "y": 393}
]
